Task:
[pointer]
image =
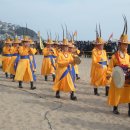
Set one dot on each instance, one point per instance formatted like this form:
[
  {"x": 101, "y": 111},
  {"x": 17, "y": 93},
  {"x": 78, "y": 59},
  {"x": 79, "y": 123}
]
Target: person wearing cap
[
  {"x": 33, "y": 51},
  {"x": 64, "y": 81},
  {"x": 6, "y": 55},
  {"x": 76, "y": 51},
  {"x": 24, "y": 71},
  {"x": 71, "y": 48},
  {"x": 55, "y": 47},
  {"x": 48, "y": 64},
  {"x": 12, "y": 66},
  {"x": 122, "y": 59},
  {"x": 99, "y": 65}
]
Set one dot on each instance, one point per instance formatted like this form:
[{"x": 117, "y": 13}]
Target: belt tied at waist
[
  {"x": 8, "y": 55},
  {"x": 50, "y": 56},
  {"x": 24, "y": 57},
  {"x": 16, "y": 54}
]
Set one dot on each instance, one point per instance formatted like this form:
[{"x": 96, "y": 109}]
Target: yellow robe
[
  {"x": 1, "y": 59},
  {"x": 47, "y": 67},
  {"x": 98, "y": 71},
  {"x": 32, "y": 52},
  {"x": 65, "y": 84},
  {"x": 6, "y": 59},
  {"x": 76, "y": 67},
  {"x": 56, "y": 54},
  {"x": 10, "y": 68},
  {"x": 23, "y": 72},
  {"x": 118, "y": 95}
]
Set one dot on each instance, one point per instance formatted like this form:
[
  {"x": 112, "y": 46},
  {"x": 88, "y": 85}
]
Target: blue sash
[
  {"x": 65, "y": 73},
  {"x": 34, "y": 62},
  {"x": 27, "y": 57},
  {"x": 16, "y": 54},
  {"x": 51, "y": 58},
  {"x": 34, "y": 65},
  {"x": 8, "y": 55},
  {"x": 16, "y": 61},
  {"x": 103, "y": 62},
  {"x": 72, "y": 74}
]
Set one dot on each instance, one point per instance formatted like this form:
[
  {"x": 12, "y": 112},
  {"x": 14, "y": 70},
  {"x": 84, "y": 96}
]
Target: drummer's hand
[
  {"x": 128, "y": 69},
  {"x": 108, "y": 77},
  {"x": 103, "y": 66},
  {"x": 72, "y": 62}
]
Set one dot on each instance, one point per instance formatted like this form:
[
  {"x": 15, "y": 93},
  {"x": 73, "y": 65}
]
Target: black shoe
[
  {"x": 45, "y": 77},
  {"x": 77, "y": 77},
  {"x": 53, "y": 76},
  {"x": 20, "y": 84},
  {"x": 32, "y": 87},
  {"x": 115, "y": 110},
  {"x": 96, "y": 92},
  {"x": 57, "y": 94},
  {"x": 128, "y": 109},
  {"x": 72, "y": 97},
  {"x": 13, "y": 78},
  {"x": 6, "y": 75},
  {"x": 107, "y": 90},
  {"x": 128, "y": 113}
]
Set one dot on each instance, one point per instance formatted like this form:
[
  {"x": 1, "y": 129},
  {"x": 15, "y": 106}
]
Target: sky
[{"x": 81, "y": 15}]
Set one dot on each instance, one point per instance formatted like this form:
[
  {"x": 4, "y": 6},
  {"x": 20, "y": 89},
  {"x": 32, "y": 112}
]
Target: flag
[
  {"x": 75, "y": 33},
  {"x": 38, "y": 33},
  {"x": 40, "y": 40},
  {"x": 110, "y": 36}
]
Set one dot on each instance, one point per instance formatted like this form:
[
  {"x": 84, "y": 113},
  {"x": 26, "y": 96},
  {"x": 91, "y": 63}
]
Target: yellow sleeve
[
  {"x": 111, "y": 65},
  {"x": 54, "y": 50},
  {"x": 6, "y": 50},
  {"x": 78, "y": 51},
  {"x": 106, "y": 56},
  {"x": 33, "y": 51}
]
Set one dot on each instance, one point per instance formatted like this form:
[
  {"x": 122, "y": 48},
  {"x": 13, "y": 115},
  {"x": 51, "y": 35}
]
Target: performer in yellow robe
[
  {"x": 1, "y": 60},
  {"x": 64, "y": 81},
  {"x": 33, "y": 51},
  {"x": 14, "y": 59},
  {"x": 55, "y": 47},
  {"x": 24, "y": 70},
  {"x": 6, "y": 56},
  {"x": 48, "y": 64},
  {"x": 76, "y": 52},
  {"x": 99, "y": 66},
  {"x": 56, "y": 50},
  {"x": 120, "y": 58}
]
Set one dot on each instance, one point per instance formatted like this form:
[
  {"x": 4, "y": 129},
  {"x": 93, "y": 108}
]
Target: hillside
[{"x": 12, "y": 30}]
